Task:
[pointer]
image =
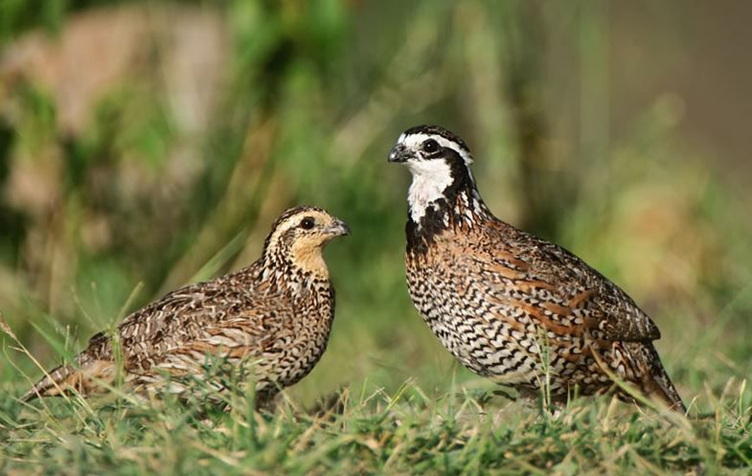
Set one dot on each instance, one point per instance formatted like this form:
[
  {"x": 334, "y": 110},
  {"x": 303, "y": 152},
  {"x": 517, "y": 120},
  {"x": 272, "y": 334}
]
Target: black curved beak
[{"x": 399, "y": 154}]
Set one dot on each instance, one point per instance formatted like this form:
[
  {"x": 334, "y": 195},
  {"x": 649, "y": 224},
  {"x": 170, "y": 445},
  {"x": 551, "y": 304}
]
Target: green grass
[
  {"x": 365, "y": 430},
  {"x": 465, "y": 426},
  {"x": 308, "y": 97}
]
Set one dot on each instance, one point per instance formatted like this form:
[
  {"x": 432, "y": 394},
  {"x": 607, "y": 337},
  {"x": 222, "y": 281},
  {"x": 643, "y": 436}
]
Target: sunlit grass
[{"x": 365, "y": 430}]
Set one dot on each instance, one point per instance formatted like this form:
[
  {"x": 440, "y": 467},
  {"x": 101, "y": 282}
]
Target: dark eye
[
  {"x": 430, "y": 146},
  {"x": 307, "y": 223}
]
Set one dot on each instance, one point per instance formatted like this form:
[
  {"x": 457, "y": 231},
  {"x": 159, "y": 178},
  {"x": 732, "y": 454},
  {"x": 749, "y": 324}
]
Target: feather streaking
[
  {"x": 512, "y": 307},
  {"x": 274, "y": 316}
]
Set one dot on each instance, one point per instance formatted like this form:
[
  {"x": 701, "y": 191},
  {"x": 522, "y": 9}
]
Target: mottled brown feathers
[
  {"x": 275, "y": 314},
  {"x": 508, "y": 305}
]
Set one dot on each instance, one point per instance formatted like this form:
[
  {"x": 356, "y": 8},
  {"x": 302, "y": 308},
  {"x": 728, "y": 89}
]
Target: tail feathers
[
  {"x": 52, "y": 384},
  {"x": 83, "y": 378},
  {"x": 661, "y": 385},
  {"x": 667, "y": 392}
]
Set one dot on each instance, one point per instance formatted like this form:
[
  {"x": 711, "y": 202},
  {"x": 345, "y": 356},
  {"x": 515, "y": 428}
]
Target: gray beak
[
  {"x": 399, "y": 154},
  {"x": 340, "y": 228}
]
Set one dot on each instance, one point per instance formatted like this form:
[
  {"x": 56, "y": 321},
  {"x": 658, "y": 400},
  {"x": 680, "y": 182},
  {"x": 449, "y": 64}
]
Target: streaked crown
[{"x": 303, "y": 229}]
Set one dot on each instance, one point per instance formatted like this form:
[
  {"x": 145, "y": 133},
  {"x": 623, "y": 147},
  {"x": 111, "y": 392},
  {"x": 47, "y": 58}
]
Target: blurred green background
[{"x": 151, "y": 142}]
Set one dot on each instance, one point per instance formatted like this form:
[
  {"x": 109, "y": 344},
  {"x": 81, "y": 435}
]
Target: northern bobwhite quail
[
  {"x": 275, "y": 315},
  {"x": 510, "y": 306}
]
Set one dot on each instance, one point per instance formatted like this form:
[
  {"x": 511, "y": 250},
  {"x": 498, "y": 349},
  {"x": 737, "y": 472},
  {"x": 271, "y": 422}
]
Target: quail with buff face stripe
[
  {"x": 509, "y": 306},
  {"x": 273, "y": 316}
]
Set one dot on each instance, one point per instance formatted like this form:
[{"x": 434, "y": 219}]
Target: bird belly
[
  {"x": 484, "y": 344},
  {"x": 494, "y": 336}
]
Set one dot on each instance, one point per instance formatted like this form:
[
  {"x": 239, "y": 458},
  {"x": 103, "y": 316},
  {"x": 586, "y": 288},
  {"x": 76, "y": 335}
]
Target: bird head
[
  {"x": 299, "y": 235},
  {"x": 421, "y": 148},
  {"x": 439, "y": 162}
]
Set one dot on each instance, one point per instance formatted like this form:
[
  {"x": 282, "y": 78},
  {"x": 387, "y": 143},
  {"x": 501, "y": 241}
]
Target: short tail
[
  {"x": 85, "y": 376},
  {"x": 56, "y": 382},
  {"x": 661, "y": 385}
]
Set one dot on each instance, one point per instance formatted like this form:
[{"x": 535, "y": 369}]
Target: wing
[
  {"x": 190, "y": 318},
  {"x": 559, "y": 289},
  {"x": 233, "y": 309}
]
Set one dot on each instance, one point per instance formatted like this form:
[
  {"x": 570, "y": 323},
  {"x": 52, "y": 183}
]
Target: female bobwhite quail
[{"x": 274, "y": 315}]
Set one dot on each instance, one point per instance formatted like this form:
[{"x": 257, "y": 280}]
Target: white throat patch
[{"x": 430, "y": 179}]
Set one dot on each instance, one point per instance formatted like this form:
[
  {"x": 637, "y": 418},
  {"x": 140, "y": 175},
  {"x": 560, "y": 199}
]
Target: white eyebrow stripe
[{"x": 413, "y": 141}]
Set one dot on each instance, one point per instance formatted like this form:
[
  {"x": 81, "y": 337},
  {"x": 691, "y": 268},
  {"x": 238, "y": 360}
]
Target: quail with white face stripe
[
  {"x": 272, "y": 317},
  {"x": 508, "y": 305}
]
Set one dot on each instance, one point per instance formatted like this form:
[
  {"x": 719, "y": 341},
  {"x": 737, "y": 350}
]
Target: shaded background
[{"x": 154, "y": 143}]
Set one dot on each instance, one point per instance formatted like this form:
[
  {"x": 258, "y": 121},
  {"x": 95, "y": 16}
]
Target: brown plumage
[
  {"x": 275, "y": 315},
  {"x": 508, "y": 305}
]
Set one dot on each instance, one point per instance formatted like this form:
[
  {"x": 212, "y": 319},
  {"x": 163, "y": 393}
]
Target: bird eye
[
  {"x": 307, "y": 223},
  {"x": 430, "y": 146}
]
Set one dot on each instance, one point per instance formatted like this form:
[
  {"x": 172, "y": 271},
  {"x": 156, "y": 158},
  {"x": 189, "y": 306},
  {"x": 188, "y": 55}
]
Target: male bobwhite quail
[
  {"x": 274, "y": 315},
  {"x": 510, "y": 306}
]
